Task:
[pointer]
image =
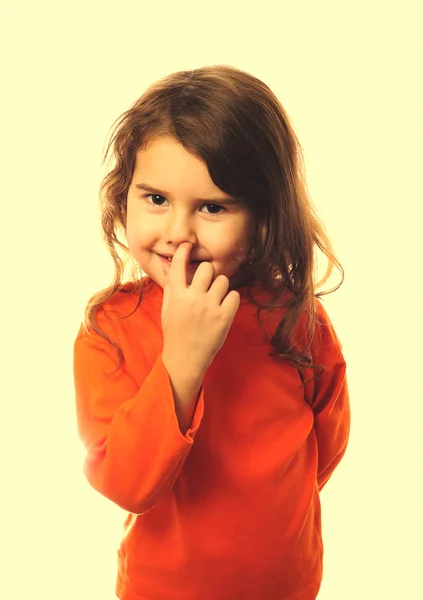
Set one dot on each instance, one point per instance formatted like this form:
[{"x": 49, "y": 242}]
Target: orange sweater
[{"x": 231, "y": 509}]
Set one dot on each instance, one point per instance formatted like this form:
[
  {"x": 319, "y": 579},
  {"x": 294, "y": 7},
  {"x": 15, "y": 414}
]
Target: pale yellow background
[{"x": 350, "y": 77}]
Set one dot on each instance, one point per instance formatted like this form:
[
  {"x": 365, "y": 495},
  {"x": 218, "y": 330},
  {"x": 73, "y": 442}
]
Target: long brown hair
[{"x": 237, "y": 126}]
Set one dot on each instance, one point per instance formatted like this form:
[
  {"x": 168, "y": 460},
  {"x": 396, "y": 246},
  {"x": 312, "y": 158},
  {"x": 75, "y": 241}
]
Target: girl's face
[{"x": 172, "y": 200}]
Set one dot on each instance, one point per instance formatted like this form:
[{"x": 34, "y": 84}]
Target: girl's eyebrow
[{"x": 152, "y": 190}]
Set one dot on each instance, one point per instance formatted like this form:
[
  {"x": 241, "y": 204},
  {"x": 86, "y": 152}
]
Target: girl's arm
[
  {"x": 328, "y": 395},
  {"x": 186, "y": 385},
  {"x": 135, "y": 448},
  {"x": 332, "y": 422}
]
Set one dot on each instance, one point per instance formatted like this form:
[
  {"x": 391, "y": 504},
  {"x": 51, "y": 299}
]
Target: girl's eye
[{"x": 209, "y": 204}]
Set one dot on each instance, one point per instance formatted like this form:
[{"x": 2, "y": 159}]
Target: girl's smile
[{"x": 191, "y": 267}]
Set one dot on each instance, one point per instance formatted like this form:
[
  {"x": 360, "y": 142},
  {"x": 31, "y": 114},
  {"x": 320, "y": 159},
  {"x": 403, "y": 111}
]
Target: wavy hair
[{"x": 237, "y": 126}]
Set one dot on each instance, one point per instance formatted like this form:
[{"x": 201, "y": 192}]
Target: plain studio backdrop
[{"x": 350, "y": 78}]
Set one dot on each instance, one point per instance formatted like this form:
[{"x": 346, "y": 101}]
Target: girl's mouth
[{"x": 167, "y": 262}]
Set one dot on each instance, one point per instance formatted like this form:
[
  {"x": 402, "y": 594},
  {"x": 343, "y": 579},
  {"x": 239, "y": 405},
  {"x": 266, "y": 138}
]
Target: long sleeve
[
  {"x": 135, "y": 449},
  {"x": 332, "y": 423},
  {"x": 329, "y": 398}
]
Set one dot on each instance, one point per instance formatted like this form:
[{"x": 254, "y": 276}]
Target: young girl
[{"x": 201, "y": 417}]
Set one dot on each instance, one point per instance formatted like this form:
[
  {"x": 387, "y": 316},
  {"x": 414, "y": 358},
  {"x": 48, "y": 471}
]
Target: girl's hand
[{"x": 195, "y": 319}]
